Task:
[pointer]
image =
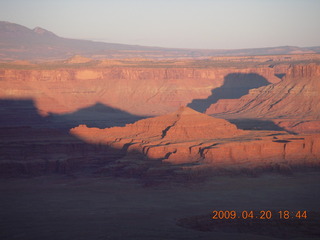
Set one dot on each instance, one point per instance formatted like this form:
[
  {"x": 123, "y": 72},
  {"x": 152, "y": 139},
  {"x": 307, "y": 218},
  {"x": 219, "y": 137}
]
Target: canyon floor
[{"x": 80, "y": 207}]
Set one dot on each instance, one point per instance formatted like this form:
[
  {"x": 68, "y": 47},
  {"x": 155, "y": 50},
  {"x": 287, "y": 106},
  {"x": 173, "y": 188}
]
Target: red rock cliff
[
  {"x": 296, "y": 97},
  {"x": 188, "y": 136},
  {"x": 137, "y": 90}
]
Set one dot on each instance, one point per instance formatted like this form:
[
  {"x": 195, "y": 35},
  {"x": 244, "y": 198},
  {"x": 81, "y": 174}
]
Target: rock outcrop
[
  {"x": 183, "y": 125},
  {"x": 187, "y": 136},
  {"x": 64, "y": 91},
  {"x": 293, "y": 103}
]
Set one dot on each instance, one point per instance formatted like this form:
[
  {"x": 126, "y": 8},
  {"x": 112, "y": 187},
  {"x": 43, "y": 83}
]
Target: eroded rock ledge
[{"x": 187, "y": 136}]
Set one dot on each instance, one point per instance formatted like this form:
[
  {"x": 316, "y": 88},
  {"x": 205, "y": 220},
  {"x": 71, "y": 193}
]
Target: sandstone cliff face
[
  {"x": 303, "y": 151},
  {"x": 296, "y": 98},
  {"x": 186, "y": 136},
  {"x": 137, "y": 90},
  {"x": 299, "y": 125}
]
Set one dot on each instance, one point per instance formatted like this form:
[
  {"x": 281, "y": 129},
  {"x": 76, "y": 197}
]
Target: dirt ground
[{"x": 74, "y": 207}]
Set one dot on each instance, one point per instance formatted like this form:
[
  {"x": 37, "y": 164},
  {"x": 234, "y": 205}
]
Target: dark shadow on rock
[
  {"x": 235, "y": 86},
  {"x": 280, "y": 75},
  {"x": 19, "y": 113},
  {"x": 98, "y": 115},
  {"x": 281, "y": 141},
  {"x": 257, "y": 124},
  {"x": 31, "y": 144},
  {"x": 24, "y": 113}
]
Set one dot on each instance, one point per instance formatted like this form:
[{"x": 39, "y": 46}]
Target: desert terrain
[
  {"x": 147, "y": 149},
  {"x": 114, "y": 141},
  {"x": 100, "y": 207}
]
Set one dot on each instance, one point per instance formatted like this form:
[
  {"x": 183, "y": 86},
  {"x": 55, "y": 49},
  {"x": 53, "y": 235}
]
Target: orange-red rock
[
  {"x": 293, "y": 101},
  {"x": 189, "y": 136},
  {"x": 63, "y": 87},
  {"x": 183, "y": 125}
]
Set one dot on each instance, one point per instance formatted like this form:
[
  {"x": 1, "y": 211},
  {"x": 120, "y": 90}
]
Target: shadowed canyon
[{"x": 94, "y": 148}]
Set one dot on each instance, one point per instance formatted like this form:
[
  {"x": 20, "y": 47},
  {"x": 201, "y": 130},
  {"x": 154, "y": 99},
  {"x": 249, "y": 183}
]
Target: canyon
[
  {"x": 187, "y": 136},
  {"x": 114, "y": 141},
  {"x": 134, "y": 89},
  {"x": 293, "y": 103},
  {"x": 85, "y": 142},
  {"x": 264, "y": 113}
]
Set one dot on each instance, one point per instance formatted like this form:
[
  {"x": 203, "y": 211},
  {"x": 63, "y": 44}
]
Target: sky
[{"x": 201, "y": 24}]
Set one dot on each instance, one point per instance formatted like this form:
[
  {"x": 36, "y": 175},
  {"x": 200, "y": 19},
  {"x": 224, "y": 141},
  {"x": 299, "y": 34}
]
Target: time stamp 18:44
[{"x": 263, "y": 214}]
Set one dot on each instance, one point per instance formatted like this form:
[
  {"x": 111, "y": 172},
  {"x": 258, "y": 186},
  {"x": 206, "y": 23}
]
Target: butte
[{"x": 187, "y": 136}]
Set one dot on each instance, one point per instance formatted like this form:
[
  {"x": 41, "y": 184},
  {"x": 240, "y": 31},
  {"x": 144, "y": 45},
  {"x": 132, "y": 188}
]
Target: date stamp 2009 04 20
[{"x": 263, "y": 214}]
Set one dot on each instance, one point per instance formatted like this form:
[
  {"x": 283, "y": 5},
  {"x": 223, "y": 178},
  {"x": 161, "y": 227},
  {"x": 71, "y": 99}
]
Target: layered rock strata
[
  {"x": 293, "y": 103},
  {"x": 187, "y": 136},
  {"x": 29, "y": 151},
  {"x": 145, "y": 91}
]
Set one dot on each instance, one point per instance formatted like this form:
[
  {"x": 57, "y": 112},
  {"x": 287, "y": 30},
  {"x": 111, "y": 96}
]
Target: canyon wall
[
  {"x": 293, "y": 103},
  {"x": 136, "y": 90},
  {"x": 297, "y": 96},
  {"x": 32, "y": 145},
  {"x": 284, "y": 94},
  {"x": 206, "y": 141}
]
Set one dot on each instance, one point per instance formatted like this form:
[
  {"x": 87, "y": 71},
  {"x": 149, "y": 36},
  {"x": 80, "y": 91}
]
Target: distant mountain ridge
[{"x": 19, "y": 42}]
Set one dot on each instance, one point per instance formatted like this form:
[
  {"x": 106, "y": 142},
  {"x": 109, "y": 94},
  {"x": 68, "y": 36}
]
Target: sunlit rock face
[
  {"x": 285, "y": 95},
  {"x": 293, "y": 103},
  {"x": 189, "y": 136},
  {"x": 67, "y": 86}
]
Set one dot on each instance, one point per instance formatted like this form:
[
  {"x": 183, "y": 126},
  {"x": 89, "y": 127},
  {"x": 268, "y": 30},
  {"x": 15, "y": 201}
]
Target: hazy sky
[{"x": 210, "y": 24}]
